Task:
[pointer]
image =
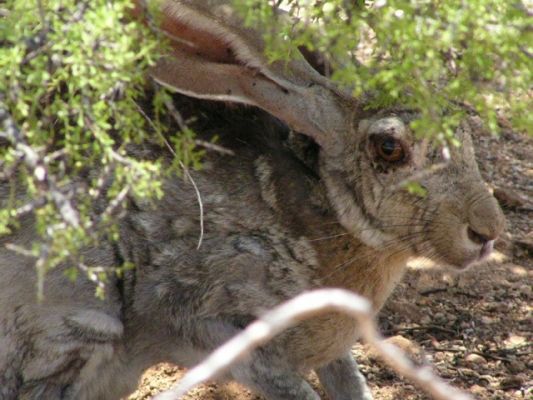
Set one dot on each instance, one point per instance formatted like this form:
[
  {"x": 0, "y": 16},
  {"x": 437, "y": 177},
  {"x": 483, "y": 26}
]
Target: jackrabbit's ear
[{"x": 214, "y": 57}]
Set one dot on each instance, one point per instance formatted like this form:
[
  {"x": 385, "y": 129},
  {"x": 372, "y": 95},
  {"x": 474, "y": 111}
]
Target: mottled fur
[{"x": 282, "y": 216}]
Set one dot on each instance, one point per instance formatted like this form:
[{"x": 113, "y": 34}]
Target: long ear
[{"x": 214, "y": 57}]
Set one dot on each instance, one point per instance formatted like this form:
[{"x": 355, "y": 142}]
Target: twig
[
  {"x": 433, "y": 290},
  {"x": 20, "y": 250},
  {"x": 301, "y": 307},
  {"x": 425, "y": 328},
  {"x": 214, "y": 147},
  {"x": 44, "y": 181},
  {"x": 183, "y": 166},
  {"x": 200, "y": 204},
  {"x": 115, "y": 203},
  {"x": 491, "y": 356}
]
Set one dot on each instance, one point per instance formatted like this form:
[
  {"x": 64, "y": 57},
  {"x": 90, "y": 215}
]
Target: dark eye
[{"x": 390, "y": 149}]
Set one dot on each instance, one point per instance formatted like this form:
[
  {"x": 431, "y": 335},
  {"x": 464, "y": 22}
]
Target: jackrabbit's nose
[{"x": 485, "y": 219}]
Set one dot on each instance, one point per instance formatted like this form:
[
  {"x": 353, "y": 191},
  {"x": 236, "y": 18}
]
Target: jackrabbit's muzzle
[{"x": 466, "y": 226}]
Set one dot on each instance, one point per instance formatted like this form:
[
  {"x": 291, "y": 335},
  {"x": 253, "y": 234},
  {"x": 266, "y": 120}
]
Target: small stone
[
  {"x": 488, "y": 320},
  {"x": 465, "y": 325},
  {"x": 523, "y": 153},
  {"x": 478, "y": 127},
  {"x": 430, "y": 282},
  {"x": 511, "y": 382},
  {"x": 508, "y": 198},
  {"x": 475, "y": 359},
  {"x": 405, "y": 309},
  {"x": 439, "y": 317},
  {"x": 526, "y": 290},
  {"x": 404, "y": 344},
  {"x": 517, "y": 273},
  {"x": 516, "y": 366},
  {"x": 476, "y": 389},
  {"x": 503, "y": 244},
  {"x": 525, "y": 242},
  {"x": 514, "y": 341}
]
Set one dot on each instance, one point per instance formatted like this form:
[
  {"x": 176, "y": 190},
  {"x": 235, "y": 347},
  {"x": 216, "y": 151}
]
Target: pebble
[
  {"x": 404, "y": 344},
  {"x": 525, "y": 242},
  {"x": 511, "y": 382},
  {"x": 476, "y": 389},
  {"x": 508, "y": 197},
  {"x": 515, "y": 340},
  {"x": 526, "y": 290},
  {"x": 475, "y": 359},
  {"x": 516, "y": 366},
  {"x": 406, "y": 309},
  {"x": 439, "y": 317},
  {"x": 488, "y": 320},
  {"x": 503, "y": 244}
]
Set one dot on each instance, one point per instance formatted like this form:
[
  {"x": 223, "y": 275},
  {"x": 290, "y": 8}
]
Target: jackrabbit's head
[
  {"x": 365, "y": 160},
  {"x": 454, "y": 221}
]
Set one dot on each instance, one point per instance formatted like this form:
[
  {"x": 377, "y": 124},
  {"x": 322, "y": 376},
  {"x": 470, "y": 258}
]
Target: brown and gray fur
[{"x": 283, "y": 215}]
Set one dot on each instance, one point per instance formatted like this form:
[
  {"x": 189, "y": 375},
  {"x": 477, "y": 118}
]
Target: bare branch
[
  {"x": 38, "y": 165},
  {"x": 301, "y": 307},
  {"x": 200, "y": 203},
  {"x": 180, "y": 122}
]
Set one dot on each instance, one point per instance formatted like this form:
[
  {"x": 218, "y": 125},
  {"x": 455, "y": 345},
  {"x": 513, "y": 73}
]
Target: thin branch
[
  {"x": 183, "y": 166},
  {"x": 200, "y": 204},
  {"x": 115, "y": 203},
  {"x": 214, "y": 147},
  {"x": 301, "y": 307},
  {"x": 37, "y": 164}
]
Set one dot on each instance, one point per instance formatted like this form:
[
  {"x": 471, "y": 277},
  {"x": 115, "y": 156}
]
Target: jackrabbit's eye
[{"x": 390, "y": 149}]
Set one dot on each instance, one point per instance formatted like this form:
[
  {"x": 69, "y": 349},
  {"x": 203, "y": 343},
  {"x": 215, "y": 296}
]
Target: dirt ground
[{"x": 475, "y": 328}]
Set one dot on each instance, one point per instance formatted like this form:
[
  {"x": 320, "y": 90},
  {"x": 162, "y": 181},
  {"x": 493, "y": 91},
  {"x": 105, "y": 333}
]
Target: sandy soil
[{"x": 475, "y": 328}]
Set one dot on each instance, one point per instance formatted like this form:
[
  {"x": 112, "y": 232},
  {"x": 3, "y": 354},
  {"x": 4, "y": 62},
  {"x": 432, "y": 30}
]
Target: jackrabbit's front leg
[
  {"x": 342, "y": 380},
  {"x": 270, "y": 376}
]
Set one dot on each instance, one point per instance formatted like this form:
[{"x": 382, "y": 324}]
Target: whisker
[
  {"x": 329, "y": 237},
  {"x": 388, "y": 244}
]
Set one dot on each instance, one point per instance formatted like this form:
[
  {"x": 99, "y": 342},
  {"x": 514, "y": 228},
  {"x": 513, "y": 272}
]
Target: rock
[
  {"x": 508, "y": 198},
  {"x": 515, "y": 341},
  {"x": 475, "y": 359},
  {"x": 516, "y": 367},
  {"x": 518, "y": 273},
  {"x": 525, "y": 290},
  {"x": 526, "y": 242},
  {"x": 477, "y": 126},
  {"x": 504, "y": 122},
  {"x": 503, "y": 244},
  {"x": 404, "y": 344},
  {"x": 478, "y": 390},
  {"x": 511, "y": 382},
  {"x": 439, "y": 317},
  {"x": 488, "y": 320},
  {"x": 406, "y": 310}
]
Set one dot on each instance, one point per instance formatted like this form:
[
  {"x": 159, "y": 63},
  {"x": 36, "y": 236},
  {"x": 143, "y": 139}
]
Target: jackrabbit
[{"x": 285, "y": 214}]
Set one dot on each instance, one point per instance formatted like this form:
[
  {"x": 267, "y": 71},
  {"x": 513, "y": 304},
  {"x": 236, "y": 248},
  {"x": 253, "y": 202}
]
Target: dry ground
[{"x": 475, "y": 328}]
